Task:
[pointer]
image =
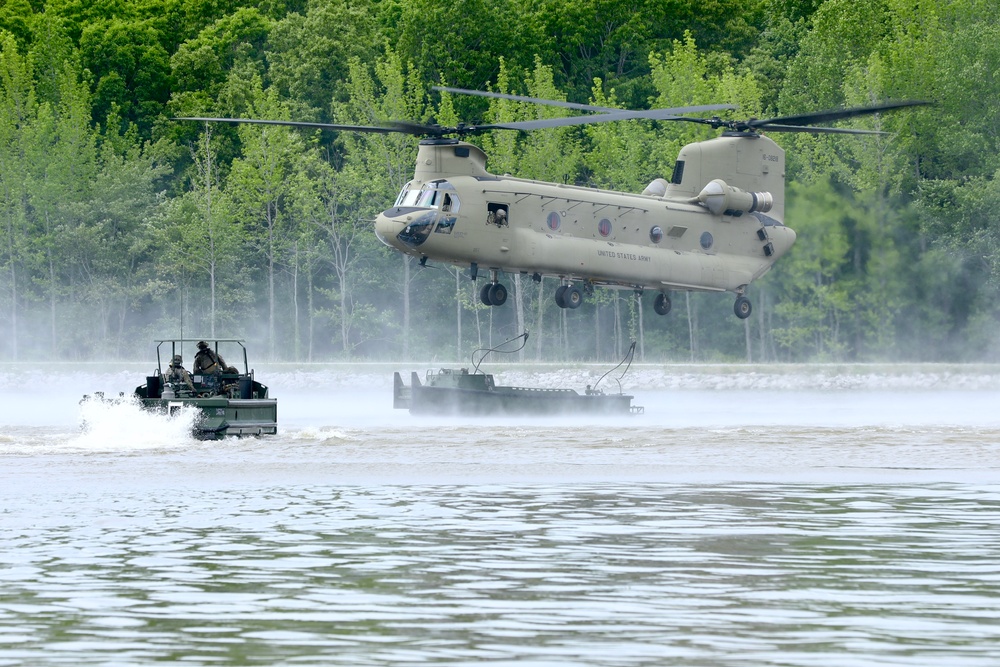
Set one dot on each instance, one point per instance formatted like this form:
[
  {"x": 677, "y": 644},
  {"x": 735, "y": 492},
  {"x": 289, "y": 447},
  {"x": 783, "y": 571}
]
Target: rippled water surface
[{"x": 792, "y": 520}]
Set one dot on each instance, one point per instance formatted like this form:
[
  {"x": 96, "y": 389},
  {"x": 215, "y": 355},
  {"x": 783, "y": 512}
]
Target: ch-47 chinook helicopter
[{"x": 717, "y": 224}]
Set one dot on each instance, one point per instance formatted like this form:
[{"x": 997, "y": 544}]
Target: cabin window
[
  {"x": 707, "y": 240},
  {"x": 604, "y": 227},
  {"x": 656, "y": 234},
  {"x": 553, "y": 221},
  {"x": 497, "y": 214},
  {"x": 678, "y": 174}
]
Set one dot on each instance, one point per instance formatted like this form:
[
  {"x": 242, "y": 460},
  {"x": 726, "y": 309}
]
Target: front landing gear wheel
[
  {"x": 560, "y": 295},
  {"x": 742, "y": 307},
  {"x": 662, "y": 304},
  {"x": 571, "y": 297},
  {"x": 484, "y": 294},
  {"x": 498, "y": 294}
]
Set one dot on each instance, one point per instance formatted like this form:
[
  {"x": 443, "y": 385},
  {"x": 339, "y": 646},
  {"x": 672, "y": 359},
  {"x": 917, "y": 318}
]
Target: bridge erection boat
[
  {"x": 229, "y": 400},
  {"x": 456, "y": 391}
]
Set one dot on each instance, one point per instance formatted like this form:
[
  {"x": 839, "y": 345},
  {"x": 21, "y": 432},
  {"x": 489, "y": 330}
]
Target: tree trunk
[
  {"x": 406, "y": 306},
  {"x": 458, "y": 313},
  {"x": 540, "y": 320},
  {"x": 296, "y": 332},
  {"x": 310, "y": 306},
  {"x": 641, "y": 328},
  {"x": 692, "y": 328},
  {"x": 519, "y": 311}
]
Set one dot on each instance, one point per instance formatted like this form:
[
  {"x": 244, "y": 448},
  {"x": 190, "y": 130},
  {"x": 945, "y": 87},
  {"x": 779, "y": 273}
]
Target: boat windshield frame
[{"x": 211, "y": 340}]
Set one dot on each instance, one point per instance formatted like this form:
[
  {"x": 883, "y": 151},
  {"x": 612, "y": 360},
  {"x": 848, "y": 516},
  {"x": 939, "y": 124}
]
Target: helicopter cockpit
[{"x": 441, "y": 204}]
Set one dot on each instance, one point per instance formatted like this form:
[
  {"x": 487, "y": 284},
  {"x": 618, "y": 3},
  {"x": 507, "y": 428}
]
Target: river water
[{"x": 798, "y": 516}]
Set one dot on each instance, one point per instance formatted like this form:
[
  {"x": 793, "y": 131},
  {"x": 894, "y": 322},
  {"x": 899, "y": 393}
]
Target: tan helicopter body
[
  {"x": 705, "y": 230},
  {"x": 717, "y": 225}
]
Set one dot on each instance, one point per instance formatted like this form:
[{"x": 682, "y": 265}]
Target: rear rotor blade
[
  {"x": 818, "y": 130},
  {"x": 832, "y": 114}
]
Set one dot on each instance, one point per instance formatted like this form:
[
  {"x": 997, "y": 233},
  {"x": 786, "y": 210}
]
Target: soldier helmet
[
  {"x": 202, "y": 345},
  {"x": 177, "y": 360}
]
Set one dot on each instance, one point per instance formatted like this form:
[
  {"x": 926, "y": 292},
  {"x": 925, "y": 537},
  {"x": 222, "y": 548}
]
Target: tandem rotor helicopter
[{"x": 717, "y": 224}]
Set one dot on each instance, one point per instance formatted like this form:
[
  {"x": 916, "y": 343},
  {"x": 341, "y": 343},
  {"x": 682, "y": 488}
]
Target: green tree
[
  {"x": 131, "y": 71},
  {"x": 17, "y": 110},
  {"x": 310, "y": 53},
  {"x": 259, "y": 185},
  {"x": 378, "y": 165}
]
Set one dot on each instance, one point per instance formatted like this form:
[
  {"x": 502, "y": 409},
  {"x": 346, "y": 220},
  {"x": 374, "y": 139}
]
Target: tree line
[{"x": 119, "y": 225}]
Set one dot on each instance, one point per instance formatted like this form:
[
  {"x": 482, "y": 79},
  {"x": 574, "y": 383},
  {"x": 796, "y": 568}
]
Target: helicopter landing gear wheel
[
  {"x": 493, "y": 294},
  {"x": 498, "y": 294},
  {"x": 662, "y": 304},
  {"x": 560, "y": 292},
  {"x": 742, "y": 307},
  {"x": 572, "y": 297}
]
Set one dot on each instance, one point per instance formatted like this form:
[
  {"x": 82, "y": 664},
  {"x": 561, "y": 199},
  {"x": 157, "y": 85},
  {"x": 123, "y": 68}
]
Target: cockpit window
[
  {"x": 429, "y": 195},
  {"x": 428, "y": 198}
]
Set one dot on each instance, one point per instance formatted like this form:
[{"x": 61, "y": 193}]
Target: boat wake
[{"x": 122, "y": 423}]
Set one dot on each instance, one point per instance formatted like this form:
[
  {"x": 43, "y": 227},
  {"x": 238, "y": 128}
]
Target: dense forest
[{"x": 119, "y": 225}]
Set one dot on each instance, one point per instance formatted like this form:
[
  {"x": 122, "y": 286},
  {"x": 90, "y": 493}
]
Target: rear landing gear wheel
[
  {"x": 662, "y": 304},
  {"x": 742, "y": 307},
  {"x": 484, "y": 294}
]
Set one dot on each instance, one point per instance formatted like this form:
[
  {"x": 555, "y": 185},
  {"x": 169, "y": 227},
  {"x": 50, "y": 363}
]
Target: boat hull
[
  {"x": 222, "y": 417},
  {"x": 454, "y": 393}
]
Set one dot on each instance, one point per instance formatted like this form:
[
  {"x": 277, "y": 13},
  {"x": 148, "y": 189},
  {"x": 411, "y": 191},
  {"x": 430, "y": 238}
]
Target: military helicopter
[{"x": 717, "y": 224}]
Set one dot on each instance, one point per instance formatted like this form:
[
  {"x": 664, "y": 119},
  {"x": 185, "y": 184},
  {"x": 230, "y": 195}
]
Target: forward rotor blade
[
  {"x": 520, "y": 98},
  {"x": 587, "y": 107},
  {"x": 406, "y": 128},
  {"x": 833, "y": 114}
]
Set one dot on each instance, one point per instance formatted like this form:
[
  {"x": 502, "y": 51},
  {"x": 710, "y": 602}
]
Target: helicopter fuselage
[{"x": 702, "y": 231}]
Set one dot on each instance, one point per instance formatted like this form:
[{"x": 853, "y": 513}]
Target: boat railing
[{"x": 540, "y": 390}]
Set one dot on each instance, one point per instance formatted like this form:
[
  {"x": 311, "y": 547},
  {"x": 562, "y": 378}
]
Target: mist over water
[{"x": 751, "y": 516}]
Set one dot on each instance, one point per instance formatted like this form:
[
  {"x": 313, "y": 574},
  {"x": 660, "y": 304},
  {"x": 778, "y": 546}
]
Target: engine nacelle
[
  {"x": 657, "y": 188},
  {"x": 720, "y": 198}
]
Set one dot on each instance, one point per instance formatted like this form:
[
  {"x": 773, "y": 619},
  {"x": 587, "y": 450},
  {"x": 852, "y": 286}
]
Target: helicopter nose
[
  {"x": 783, "y": 238},
  {"x": 387, "y": 228}
]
